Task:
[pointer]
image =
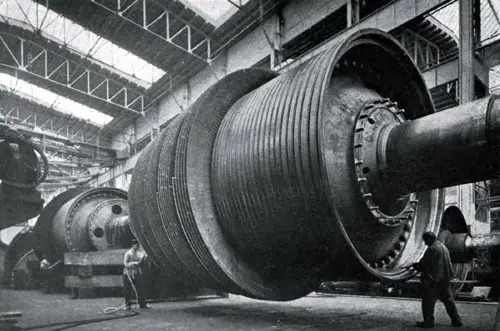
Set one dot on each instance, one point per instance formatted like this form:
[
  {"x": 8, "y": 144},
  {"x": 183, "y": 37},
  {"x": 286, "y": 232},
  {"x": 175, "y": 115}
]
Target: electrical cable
[
  {"x": 72, "y": 324},
  {"x": 107, "y": 311},
  {"x": 112, "y": 310}
]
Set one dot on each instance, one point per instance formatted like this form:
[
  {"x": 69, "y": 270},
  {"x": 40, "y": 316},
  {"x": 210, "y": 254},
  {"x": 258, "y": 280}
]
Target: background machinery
[
  {"x": 23, "y": 166},
  {"x": 84, "y": 233},
  {"x": 88, "y": 230},
  {"x": 269, "y": 185}
]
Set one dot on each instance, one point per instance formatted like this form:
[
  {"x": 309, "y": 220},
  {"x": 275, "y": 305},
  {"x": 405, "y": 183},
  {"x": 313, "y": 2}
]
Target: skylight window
[
  {"x": 75, "y": 36},
  {"x": 448, "y": 15},
  {"x": 490, "y": 29},
  {"x": 48, "y": 99},
  {"x": 490, "y": 19},
  {"x": 215, "y": 11}
]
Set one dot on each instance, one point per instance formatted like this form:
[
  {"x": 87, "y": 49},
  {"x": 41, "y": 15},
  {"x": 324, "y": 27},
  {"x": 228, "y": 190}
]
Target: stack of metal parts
[
  {"x": 270, "y": 184},
  {"x": 23, "y": 166}
]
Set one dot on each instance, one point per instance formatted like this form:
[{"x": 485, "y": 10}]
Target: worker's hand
[
  {"x": 410, "y": 266},
  {"x": 415, "y": 266}
]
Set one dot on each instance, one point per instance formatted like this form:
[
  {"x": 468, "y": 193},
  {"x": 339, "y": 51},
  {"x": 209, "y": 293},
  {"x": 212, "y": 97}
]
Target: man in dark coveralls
[
  {"x": 436, "y": 273},
  {"x": 132, "y": 276}
]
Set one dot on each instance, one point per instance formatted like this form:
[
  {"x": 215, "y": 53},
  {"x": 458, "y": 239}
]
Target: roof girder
[
  {"x": 182, "y": 37},
  {"x": 50, "y": 126},
  {"x": 47, "y": 65}
]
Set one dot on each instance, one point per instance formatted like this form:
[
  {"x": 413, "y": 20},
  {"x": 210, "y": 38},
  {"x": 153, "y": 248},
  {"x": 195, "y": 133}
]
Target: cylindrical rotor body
[
  {"x": 82, "y": 220},
  {"x": 270, "y": 184},
  {"x": 444, "y": 141}
]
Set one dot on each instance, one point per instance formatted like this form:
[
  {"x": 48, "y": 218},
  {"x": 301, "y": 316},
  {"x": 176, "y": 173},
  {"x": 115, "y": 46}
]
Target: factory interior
[{"x": 249, "y": 165}]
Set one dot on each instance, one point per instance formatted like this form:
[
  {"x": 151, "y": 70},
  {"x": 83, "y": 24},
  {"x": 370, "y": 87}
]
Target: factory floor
[{"x": 315, "y": 312}]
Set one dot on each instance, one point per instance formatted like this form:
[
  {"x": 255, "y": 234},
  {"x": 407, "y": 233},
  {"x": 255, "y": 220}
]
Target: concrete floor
[{"x": 323, "y": 312}]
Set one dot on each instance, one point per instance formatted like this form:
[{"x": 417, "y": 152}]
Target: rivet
[{"x": 404, "y": 237}]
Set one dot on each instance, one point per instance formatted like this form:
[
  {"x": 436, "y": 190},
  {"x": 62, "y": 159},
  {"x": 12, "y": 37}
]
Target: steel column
[
  {"x": 466, "y": 53},
  {"x": 466, "y": 89}
]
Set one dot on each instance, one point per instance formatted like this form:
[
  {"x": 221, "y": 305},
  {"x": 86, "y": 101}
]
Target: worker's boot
[{"x": 425, "y": 325}]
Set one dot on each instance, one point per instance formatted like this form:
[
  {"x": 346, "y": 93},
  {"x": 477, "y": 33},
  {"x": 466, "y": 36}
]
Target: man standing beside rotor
[
  {"x": 132, "y": 276},
  {"x": 436, "y": 273}
]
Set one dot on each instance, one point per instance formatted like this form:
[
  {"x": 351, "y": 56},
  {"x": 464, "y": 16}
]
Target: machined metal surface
[
  {"x": 482, "y": 241},
  {"x": 453, "y": 223},
  {"x": 445, "y": 140},
  {"x": 107, "y": 222},
  {"x": 268, "y": 185},
  {"x": 82, "y": 220}
]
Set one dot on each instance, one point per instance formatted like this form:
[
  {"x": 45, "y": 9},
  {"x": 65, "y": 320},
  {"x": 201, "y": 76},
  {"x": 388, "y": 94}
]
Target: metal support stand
[{"x": 496, "y": 327}]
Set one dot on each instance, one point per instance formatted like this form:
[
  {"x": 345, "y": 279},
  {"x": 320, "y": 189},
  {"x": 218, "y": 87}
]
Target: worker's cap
[
  {"x": 134, "y": 241},
  {"x": 429, "y": 234}
]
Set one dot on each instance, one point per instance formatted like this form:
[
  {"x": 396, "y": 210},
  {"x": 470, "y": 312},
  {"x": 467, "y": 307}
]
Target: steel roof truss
[
  {"x": 65, "y": 131},
  {"x": 87, "y": 82},
  {"x": 169, "y": 34}
]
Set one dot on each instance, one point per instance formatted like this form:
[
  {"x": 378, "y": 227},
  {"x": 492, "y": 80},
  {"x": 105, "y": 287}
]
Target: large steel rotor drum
[
  {"x": 82, "y": 220},
  {"x": 270, "y": 184}
]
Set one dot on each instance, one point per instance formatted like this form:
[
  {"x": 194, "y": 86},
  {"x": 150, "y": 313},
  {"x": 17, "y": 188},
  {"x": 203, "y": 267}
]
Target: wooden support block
[
  {"x": 110, "y": 257},
  {"x": 94, "y": 281},
  {"x": 9, "y": 314},
  {"x": 496, "y": 327}
]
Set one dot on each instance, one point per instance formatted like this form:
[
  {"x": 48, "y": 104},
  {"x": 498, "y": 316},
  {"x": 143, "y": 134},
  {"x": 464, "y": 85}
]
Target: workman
[
  {"x": 132, "y": 274},
  {"x": 436, "y": 273},
  {"x": 45, "y": 274}
]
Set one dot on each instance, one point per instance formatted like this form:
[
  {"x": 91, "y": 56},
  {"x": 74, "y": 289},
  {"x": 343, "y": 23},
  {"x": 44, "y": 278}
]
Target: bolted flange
[{"x": 377, "y": 116}]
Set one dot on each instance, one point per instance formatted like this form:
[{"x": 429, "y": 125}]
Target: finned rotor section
[
  {"x": 250, "y": 190},
  {"x": 267, "y": 184}
]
